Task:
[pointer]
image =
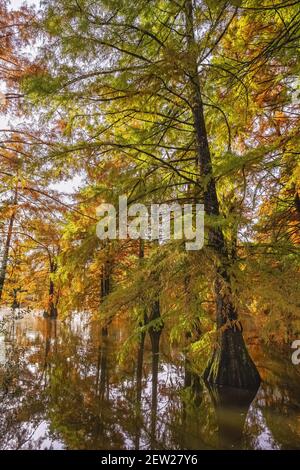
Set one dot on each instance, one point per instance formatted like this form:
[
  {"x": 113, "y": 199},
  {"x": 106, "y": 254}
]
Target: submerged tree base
[{"x": 231, "y": 364}]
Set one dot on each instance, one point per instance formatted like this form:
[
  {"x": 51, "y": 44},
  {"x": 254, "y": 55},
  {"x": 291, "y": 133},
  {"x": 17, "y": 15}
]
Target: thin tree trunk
[
  {"x": 105, "y": 290},
  {"x": 4, "y": 263},
  {"x": 230, "y": 364},
  {"x": 52, "y": 305},
  {"x": 139, "y": 379},
  {"x": 155, "y": 339},
  {"x": 140, "y": 360},
  {"x": 52, "y": 310}
]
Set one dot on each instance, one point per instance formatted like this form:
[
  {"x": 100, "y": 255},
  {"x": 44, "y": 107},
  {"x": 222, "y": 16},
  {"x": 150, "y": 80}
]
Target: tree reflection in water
[
  {"x": 62, "y": 386},
  {"x": 231, "y": 408}
]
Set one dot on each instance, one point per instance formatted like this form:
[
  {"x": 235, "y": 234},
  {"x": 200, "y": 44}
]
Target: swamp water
[{"x": 62, "y": 387}]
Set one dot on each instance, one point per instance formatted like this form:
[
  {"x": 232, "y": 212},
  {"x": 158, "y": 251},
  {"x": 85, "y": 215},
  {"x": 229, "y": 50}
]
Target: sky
[
  {"x": 8, "y": 122},
  {"x": 17, "y": 3},
  {"x": 13, "y": 4}
]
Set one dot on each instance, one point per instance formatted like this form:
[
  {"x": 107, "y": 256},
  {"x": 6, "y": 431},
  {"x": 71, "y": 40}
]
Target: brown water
[{"x": 62, "y": 387}]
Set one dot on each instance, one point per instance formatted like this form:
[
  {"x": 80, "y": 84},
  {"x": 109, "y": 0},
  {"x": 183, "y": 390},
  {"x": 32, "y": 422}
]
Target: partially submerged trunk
[
  {"x": 139, "y": 367},
  {"x": 153, "y": 317},
  {"x": 230, "y": 364},
  {"x": 105, "y": 290},
  {"x": 155, "y": 334},
  {"x": 139, "y": 385}
]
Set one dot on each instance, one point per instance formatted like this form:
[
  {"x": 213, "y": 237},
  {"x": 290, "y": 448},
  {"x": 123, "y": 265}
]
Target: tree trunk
[
  {"x": 154, "y": 333},
  {"x": 139, "y": 385},
  {"x": 105, "y": 280},
  {"x": 139, "y": 367},
  {"x": 156, "y": 329},
  {"x": 105, "y": 290},
  {"x": 52, "y": 308},
  {"x": 4, "y": 263},
  {"x": 230, "y": 364}
]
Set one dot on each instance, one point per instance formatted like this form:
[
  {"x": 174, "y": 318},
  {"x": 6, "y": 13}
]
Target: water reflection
[
  {"x": 138, "y": 416},
  {"x": 62, "y": 386},
  {"x": 231, "y": 407}
]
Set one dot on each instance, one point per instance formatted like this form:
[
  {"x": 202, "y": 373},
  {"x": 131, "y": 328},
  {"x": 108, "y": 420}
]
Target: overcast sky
[
  {"x": 17, "y": 3},
  {"x": 11, "y": 121}
]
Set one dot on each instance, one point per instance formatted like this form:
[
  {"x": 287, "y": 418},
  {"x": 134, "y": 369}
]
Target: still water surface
[{"x": 62, "y": 387}]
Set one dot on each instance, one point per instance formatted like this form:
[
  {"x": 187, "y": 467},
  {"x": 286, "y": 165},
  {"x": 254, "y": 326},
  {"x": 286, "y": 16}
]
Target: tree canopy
[{"x": 163, "y": 101}]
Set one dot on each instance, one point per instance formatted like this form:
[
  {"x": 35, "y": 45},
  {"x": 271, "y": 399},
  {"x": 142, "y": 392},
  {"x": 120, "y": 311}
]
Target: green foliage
[{"x": 114, "y": 89}]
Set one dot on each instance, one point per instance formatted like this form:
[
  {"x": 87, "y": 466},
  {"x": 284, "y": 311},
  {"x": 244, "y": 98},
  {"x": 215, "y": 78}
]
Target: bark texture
[{"x": 230, "y": 364}]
